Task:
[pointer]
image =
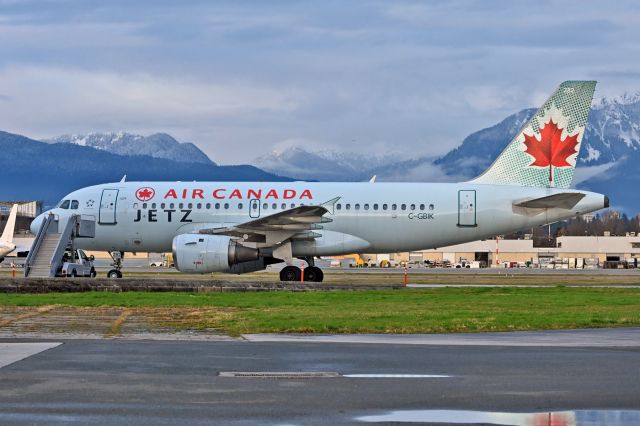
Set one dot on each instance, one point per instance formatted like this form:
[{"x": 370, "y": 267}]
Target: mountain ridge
[{"x": 157, "y": 145}]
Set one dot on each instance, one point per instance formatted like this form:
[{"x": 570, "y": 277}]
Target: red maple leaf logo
[
  {"x": 550, "y": 150},
  {"x": 145, "y": 194}
]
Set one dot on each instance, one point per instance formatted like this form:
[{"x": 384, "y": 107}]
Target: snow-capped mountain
[
  {"x": 157, "y": 145},
  {"x": 607, "y": 161},
  {"x": 46, "y": 173},
  {"x": 328, "y": 165}
]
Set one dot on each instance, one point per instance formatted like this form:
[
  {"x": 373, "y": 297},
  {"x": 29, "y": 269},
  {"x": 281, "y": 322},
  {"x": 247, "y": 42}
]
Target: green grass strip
[{"x": 384, "y": 311}]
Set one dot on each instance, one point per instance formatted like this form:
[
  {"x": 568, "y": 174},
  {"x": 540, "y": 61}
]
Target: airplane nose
[{"x": 36, "y": 223}]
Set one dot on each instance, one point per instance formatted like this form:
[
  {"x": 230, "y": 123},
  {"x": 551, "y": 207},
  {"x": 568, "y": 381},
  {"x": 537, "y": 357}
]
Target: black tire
[
  {"x": 314, "y": 274},
  {"x": 290, "y": 273},
  {"x": 93, "y": 273},
  {"x": 114, "y": 273},
  {"x": 73, "y": 273}
]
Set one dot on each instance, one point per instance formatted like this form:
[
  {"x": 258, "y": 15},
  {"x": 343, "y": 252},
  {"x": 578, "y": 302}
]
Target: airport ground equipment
[
  {"x": 54, "y": 238},
  {"x": 77, "y": 264}
]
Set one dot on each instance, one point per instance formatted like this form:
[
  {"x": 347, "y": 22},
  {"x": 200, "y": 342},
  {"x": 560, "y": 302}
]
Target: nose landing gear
[{"x": 117, "y": 257}]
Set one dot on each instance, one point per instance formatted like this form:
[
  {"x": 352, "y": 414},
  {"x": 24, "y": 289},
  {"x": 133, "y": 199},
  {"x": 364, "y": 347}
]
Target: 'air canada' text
[{"x": 240, "y": 194}]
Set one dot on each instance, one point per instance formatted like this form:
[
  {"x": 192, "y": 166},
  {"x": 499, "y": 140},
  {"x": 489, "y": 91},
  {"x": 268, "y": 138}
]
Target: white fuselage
[{"x": 368, "y": 217}]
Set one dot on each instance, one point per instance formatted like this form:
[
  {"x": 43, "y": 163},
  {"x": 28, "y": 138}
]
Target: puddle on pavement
[{"x": 558, "y": 418}]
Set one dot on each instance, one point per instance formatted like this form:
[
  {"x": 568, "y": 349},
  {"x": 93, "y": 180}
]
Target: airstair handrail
[
  {"x": 37, "y": 242},
  {"x": 63, "y": 242}
]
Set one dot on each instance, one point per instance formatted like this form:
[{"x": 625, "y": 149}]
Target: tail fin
[
  {"x": 545, "y": 151},
  {"x": 7, "y": 234}
]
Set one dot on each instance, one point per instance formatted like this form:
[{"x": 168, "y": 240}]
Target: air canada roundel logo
[{"x": 145, "y": 193}]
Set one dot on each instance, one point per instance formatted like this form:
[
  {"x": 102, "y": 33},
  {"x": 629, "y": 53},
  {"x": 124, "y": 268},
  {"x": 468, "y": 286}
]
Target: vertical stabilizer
[
  {"x": 545, "y": 151},
  {"x": 7, "y": 234}
]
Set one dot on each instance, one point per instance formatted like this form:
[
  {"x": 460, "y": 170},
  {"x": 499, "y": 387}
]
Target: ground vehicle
[
  {"x": 466, "y": 264},
  {"x": 77, "y": 264}
]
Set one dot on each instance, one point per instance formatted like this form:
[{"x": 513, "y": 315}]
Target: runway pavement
[{"x": 580, "y": 377}]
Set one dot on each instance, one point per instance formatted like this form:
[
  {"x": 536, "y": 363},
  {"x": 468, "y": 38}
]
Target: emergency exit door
[
  {"x": 107, "y": 213},
  {"x": 467, "y": 208}
]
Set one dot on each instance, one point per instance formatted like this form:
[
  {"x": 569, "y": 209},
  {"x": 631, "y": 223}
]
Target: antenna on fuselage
[{"x": 124, "y": 178}]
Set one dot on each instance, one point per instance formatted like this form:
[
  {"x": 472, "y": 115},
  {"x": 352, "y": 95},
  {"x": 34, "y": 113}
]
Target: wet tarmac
[{"x": 561, "y": 379}]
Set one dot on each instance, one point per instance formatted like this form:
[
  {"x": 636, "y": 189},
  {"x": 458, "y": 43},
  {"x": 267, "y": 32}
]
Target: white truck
[{"x": 77, "y": 264}]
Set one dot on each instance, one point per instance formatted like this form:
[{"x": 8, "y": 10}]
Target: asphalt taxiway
[{"x": 589, "y": 376}]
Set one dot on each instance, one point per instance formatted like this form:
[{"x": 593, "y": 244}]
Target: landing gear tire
[
  {"x": 93, "y": 273},
  {"x": 73, "y": 274},
  {"x": 290, "y": 273},
  {"x": 114, "y": 273},
  {"x": 313, "y": 273}
]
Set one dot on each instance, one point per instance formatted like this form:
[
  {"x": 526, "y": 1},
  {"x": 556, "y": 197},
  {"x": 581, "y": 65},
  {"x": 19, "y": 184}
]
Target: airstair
[{"x": 53, "y": 238}]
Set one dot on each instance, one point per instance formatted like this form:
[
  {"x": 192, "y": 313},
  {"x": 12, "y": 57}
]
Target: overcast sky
[{"x": 241, "y": 78}]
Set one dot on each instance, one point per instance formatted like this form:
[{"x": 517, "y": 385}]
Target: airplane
[
  {"x": 6, "y": 240},
  {"x": 239, "y": 227}
]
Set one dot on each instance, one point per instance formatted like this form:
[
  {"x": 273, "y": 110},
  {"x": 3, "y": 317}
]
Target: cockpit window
[
  {"x": 64, "y": 204},
  {"x": 74, "y": 205}
]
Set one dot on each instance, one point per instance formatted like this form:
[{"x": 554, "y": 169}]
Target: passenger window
[
  {"x": 394, "y": 207},
  {"x": 208, "y": 206},
  {"x": 293, "y": 205},
  {"x": 347, "y": 207},
  {"x": 226, "y": 206},
  {"x": 255, "y": 206},
  {"x": 162, "y": 205},
  {"x": 217, "y": 206},
  {"x": 366, "y": 206},
  {"x": 384, "y": 206},
  {"x": 375, "y": 207},
  {"x": 153, "y": 206},
  {"x": 338, "y": 206},
  {"x": 421, "y": 206},
  {"x": 199, "y": 206},
  {"x": 181, "y": 205},
  {"x": 403, "y": 207},
  {"x": 190, "y": 205},
  {"x": 284, "y": 206},
  {"x": 64, "y": 204},
  {"x": 172, "y": 206},
  {"x": 274, "y": 206},
  {"x": 357, "y": 206},
  {"x": 74, "y": 205},
  {"x": 239, "y": 206},
  {"x": 413, "y": 206},
  {"x": 265, "y": 206},
  {"x": 135, "y": 206},
  {"x": 144, "y": 206}
]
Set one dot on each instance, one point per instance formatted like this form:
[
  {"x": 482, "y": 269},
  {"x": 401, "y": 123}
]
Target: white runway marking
[
  {"x": 396, "y": 376},
  {"x": 602, "y": 337},
  {"x": 14, "y": 352}
]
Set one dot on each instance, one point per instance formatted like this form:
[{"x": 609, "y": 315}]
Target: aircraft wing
[
  {"x": 283, "y": 224},
  {"x": 563, "y": 200}
]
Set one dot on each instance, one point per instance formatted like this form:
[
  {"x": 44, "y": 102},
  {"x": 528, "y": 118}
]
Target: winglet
[
  {"x": 330, "y": 205},
  {"x": 373, "y": 179},
  {"x": 124, "y": 178},
  {"x": 7, "y": 234}
]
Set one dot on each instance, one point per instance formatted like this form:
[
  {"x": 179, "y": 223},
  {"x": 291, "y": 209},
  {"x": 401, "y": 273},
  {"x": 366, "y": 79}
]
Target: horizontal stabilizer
[{"x": 564, "y": 200}]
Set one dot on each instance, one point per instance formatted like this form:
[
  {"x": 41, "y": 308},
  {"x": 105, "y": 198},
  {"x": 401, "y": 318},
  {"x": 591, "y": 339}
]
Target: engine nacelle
[{"x": 209, "y": 253}]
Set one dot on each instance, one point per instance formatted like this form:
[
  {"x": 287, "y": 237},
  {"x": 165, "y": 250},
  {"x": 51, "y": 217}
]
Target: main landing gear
[
  {"x": 311, "y": 273},
  {"x": 293, "y": 273},
  {"x": 117, "y": 257}
]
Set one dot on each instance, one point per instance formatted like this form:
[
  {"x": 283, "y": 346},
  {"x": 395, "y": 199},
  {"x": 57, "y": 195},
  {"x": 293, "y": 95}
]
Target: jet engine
[{"x": 210, "y": 253}]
